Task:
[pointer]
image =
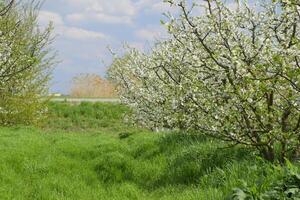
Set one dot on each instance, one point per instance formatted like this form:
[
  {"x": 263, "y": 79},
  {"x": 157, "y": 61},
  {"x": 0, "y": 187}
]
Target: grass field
[{"x": 87, "y": 152}]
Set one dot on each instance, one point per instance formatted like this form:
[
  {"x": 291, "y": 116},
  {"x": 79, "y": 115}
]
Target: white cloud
[
  {"x": 98, "y": 17},
  {"x": 76, "y": 17},
  {"x": 155, "y": 6},
  {"x": 151, "y": 33},
  {"x": 67, "y": 31},
  {"x": 160, "y": 7},
  {"x": 45, "y": 17},
  {"x": 115, "y": 7},
  {"x": 81, "y": 34},
  {"x": 137, "y": 45},
  {"x": 104, "y": 11},
  {"x": 114, "y": 11}
]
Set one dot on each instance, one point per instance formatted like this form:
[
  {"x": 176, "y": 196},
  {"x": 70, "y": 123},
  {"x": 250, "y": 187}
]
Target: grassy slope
[{"x": 79, "y": 154}]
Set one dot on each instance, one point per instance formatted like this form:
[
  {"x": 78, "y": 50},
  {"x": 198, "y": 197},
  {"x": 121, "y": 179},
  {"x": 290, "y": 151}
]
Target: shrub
[
  {"x": 286, "y": 187},
  {"x": 25, "y": 64}
]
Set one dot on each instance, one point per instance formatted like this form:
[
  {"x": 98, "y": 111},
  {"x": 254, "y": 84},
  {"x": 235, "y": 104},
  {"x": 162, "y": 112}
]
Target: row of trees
[
  {"x": 232, "y": 73},
  {"x": 25, "y": 63}
]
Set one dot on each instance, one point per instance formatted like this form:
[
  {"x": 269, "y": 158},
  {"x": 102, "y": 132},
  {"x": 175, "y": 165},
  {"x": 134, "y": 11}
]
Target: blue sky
[{"x": 85, "y": 28}]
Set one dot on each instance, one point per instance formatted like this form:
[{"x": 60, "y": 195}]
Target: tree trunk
[{"x": 268, "y": 153}]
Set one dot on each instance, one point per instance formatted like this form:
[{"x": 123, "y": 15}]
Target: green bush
[
  {"x": 286, "y": 186},
  {"x": 25, "y": 65}
]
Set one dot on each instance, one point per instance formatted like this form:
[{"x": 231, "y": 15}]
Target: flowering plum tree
[{"x": 229, "y": 72}]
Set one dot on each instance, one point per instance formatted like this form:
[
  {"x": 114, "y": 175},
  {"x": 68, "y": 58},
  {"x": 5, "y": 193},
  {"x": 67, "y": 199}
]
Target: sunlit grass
[{"x": 79, "y": 158}]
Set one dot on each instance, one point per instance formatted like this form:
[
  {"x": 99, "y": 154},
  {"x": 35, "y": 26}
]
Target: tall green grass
[
  {"x": 57, "y": 163},
  {"x": 108, "y": 117}
]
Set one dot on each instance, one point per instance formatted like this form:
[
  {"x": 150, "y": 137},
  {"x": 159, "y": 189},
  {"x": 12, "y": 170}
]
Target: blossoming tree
[{"x": 228, "y": 72}]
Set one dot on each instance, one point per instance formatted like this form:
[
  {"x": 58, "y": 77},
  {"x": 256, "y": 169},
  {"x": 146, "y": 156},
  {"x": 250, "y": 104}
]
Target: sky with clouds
[{"x": 86, "y": 28}]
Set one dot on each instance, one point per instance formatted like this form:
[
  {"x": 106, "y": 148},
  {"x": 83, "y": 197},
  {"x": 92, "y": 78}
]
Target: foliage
[
  {"x": 25, "y": 65},
  {"x": 4, "y": 8},
  {"x": 286, "y": 187},
  {"x": 231, "y": 73}
]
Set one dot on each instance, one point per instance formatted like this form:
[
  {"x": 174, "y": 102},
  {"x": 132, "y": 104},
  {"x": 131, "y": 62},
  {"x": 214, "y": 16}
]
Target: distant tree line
[{"x": 92, "y": 85}]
